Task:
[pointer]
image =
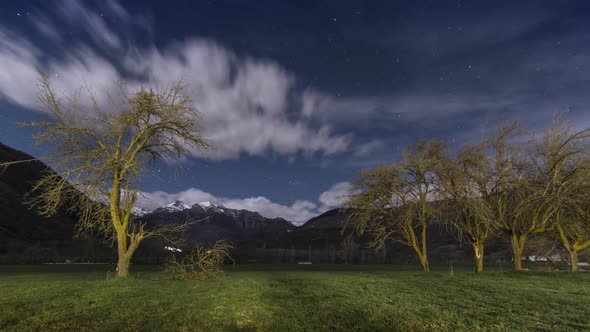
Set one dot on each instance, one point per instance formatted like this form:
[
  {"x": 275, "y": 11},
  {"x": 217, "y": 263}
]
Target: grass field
[{"x": 292, "y": 298}]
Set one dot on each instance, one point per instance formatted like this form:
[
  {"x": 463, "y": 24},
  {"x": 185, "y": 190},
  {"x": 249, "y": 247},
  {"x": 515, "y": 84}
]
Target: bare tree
[
  {"x": 520, "y": 208},
  {"x": 465, "y": 192},
  {"x": 393, "y": 203},
  {"x": 563, "y": 163},
  {"x": 100, "y": 153}
]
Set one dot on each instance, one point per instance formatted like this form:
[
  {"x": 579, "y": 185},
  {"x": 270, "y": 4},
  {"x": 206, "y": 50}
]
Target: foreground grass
[{"x": 287, "y": 298}]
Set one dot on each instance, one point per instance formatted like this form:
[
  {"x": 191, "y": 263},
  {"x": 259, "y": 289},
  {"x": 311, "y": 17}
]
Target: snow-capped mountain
[
  {"x": 176, "y": 206},
  {"x": 214, "y": 207},
  {"x": 216, "y": 221},
  {"x": 138, "y": 211}
]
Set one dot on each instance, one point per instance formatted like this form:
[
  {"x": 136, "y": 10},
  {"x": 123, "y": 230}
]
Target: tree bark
[
  {"x": 123, "y": 266},
  {"x": 574, "y": 261},
  {"x": 478, "y": 250},
  {"x": 424, "y": 255},
  {"x": 517, "y": 249},
  {"x": 125, "y": 253},
  {"x": 424, "y": 263}
]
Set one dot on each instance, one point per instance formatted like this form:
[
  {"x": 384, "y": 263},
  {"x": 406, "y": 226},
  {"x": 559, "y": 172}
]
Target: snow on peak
[
  {"x": 138, "y": 211},
  {"x": 206, "y": 204},
  {"x": 177, "y": 206}
]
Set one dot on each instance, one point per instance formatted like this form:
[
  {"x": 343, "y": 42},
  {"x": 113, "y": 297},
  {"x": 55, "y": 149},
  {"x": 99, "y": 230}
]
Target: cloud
[
  {"x": 335, "y": 196},
  {"x": 299, "y": 212},
  {"x": 441, "y": 37},
  {"x": 250, "y": 106},
  {"x": 446, "y": 80},
  {"x": 368, "y": 148},
  {"x": 18, "y": 63},
  {"x": 91, "y": 21},
  {"x": 156, "y": 199},
  {"x": 94, "y": 25},
  {"x": 244, "y": 101},
  {"x": 46, "y": 27},
  {"x": 452, "y": 78}
]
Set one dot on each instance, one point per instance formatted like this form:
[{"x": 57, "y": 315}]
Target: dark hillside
[{"x": 24, "y": 235}]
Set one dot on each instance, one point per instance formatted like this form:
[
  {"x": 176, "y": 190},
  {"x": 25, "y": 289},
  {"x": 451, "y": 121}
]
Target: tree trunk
[
  {"x": 424, "y": 255},
  {"x": 517, "y": 249},
  {"x": 125, "y": 254},
  {"x": 478, "y": 250},
  {"x": 574, "y": 261},
  {"x": 123, "y": 266},
  {"x": 424, "y": 263},
  {"x": 122, "y": 263}
]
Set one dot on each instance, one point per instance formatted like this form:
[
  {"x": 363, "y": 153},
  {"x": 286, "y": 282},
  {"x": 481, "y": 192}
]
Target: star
[{"x": 334, "y": 20}]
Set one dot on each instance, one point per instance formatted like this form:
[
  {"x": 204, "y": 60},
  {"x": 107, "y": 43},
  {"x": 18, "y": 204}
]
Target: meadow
[{"x": 292, "y": 298}]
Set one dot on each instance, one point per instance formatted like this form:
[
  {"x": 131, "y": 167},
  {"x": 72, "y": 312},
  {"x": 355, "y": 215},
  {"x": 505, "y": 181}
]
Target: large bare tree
[
  {"x": 465, "y": 193},
  {"x": 393, "y": 202},
  {"x": 563, "y": 164},
  {"x": 520, "y": 208},
  {"x": 102, "y": 149}
]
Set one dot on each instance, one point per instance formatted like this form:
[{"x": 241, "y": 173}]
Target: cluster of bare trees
[{"x": 512, "y": 183}]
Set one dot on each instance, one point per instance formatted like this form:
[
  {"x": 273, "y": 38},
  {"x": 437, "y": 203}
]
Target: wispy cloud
[
  {"x": 366, "y": 149},
  {"x": 244, "y": 100}
]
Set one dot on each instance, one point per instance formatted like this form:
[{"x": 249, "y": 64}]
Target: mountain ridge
[
  {"x": 214, "y": 221},
  {"x": 179, "y": 206}
]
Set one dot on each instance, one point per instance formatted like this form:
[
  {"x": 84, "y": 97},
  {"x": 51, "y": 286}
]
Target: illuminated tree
[
  {"x": 100, "y": 153},
  {"x": 466, "y": 197},
  {"x": 393, "y": 202},
  {"x": 563, "y": 165}
]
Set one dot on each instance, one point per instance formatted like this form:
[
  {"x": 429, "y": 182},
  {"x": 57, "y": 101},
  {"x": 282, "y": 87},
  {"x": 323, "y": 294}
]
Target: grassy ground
[{"x": 292, "y": 298}]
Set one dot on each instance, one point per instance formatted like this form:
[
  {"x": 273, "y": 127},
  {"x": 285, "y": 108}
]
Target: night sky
[{"x": 298, "y": 96}]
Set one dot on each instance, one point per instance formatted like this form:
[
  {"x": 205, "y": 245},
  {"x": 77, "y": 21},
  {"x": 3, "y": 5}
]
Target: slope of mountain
[{"x": 24, "y": 235}]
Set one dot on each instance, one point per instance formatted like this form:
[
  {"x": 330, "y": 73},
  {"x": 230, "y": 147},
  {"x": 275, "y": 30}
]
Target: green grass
[{"x": 292, "y": 298}]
